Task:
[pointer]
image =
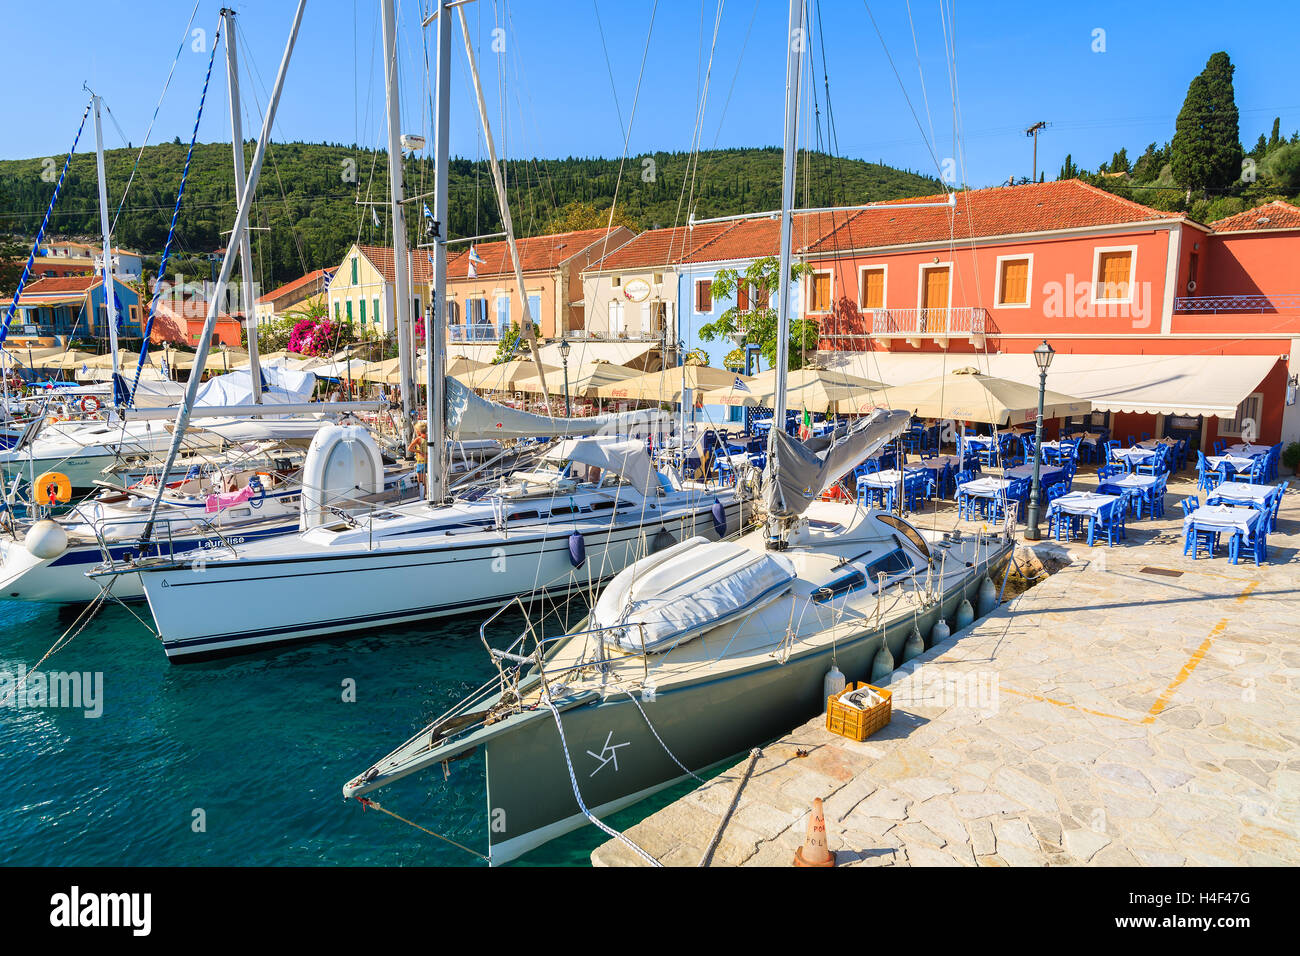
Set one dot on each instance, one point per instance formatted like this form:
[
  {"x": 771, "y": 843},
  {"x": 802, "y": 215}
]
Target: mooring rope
[
  {"x": 573, "y": 780},
  {"x": 735, "y": 800},
  {"x": 691, "y": 773},
  {"x": 372, "y": 805}
]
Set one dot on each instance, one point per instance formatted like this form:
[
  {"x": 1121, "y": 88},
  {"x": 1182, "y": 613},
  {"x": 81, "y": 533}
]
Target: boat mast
[
  {"x": 227, "y": 266},
  {"x": 245, "y": 249},
  {"x": 435, "y": 358},
  {"x": 793, "y": 75},
  {"x": 401, "y": 265},
  {"x": 110, "y": 286},
  {"x": 527, "y": 329}
]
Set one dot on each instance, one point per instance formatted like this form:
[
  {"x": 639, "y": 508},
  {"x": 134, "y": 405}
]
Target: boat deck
[
  {"x": 783, "y": 627},
  {"x": 1136, "y": 708}
]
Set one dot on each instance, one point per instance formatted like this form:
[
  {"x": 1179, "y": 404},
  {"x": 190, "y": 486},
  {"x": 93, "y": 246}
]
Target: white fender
[{"x": 343, "y": 464}]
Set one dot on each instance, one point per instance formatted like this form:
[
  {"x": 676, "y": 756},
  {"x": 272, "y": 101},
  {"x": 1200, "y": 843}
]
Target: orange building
[{"x": 1168, "y": 325}]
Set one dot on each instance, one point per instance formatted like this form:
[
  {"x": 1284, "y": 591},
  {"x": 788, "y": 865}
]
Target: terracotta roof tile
[
  {"x": 536, "y": 254},
  {"x": 756, "y": 238},
  {"x": 1272, "y": 215},
  {"x": 985, "y": 213},
  {"x": 295, "y": 285},
  {"x": 661, "y": 247}
]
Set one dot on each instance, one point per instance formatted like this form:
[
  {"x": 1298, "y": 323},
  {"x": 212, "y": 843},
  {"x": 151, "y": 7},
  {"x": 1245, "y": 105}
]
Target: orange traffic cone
[{"x": 814, "y": 851}]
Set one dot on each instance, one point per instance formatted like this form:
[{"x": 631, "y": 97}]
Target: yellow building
[{"x": 363, "y": 290}]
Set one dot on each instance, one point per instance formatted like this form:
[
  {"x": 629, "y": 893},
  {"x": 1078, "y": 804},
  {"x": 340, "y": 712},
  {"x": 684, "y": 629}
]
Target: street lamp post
[
  {"x": 1043, "y": 358},
  {"x": 564, "y": 358}
]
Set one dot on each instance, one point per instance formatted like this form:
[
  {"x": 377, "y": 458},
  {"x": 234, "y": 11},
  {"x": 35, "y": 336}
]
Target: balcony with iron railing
[
  {"x": 967, "y": 321},
  {"x": 474, "y": 332},
  {"x": 1259, "y": 303}
]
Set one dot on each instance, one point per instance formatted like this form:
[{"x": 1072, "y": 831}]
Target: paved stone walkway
[{"x": 1108, "y": 716}]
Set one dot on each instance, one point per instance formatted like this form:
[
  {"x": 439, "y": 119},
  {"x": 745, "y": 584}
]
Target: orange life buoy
[
  {"x": 54, "y": 487},
  {"x": 90, "y": 404}
]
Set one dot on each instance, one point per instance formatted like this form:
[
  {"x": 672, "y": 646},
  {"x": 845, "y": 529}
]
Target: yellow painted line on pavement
[
  {"x": 1064, "y": 703},
  {"x": 1163, "y": 700}
]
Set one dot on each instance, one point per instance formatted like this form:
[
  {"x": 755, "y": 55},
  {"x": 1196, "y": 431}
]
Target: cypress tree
[
  {"x": 1206, "y": 149},
  {"x": 1276, "y": 135}
]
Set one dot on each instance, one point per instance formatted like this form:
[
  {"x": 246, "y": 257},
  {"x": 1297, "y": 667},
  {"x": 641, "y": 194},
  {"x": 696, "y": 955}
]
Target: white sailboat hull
[{"x": 227, "y": 607}]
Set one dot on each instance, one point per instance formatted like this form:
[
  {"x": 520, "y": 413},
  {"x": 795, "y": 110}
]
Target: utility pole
[{"x": 1033, "y": 131}]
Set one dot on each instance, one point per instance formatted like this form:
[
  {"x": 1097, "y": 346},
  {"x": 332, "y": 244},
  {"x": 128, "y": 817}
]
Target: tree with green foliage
[
  {"x": 1206, "y": 149},
  {"x": 506, "y": 347},
  {"x": 1283, "y": 166},
  {"x": 1068, "y": 169},
  {"x": 758, "y": 323},
  {"x": 1276, "y": 136}
]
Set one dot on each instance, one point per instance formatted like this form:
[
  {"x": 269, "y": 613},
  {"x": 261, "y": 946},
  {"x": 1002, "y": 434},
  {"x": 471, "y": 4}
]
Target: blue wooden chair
[
  {"x": 1156, "y": 498},
  {"x": 1275, "y": 505},
  {"x": 1109, "y": 521},
  {"x": 1219, "y": 445},
  {"x": 1249, "y": 544},
  {"x": 1207, "y": 479},
  {"x": 1255, "y": 474}
]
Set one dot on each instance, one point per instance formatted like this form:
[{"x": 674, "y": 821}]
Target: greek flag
[
  {"x": 374, "y": 217},
  {"x": 739, "y": 386},
  {"x": 429, "y": 222},
  {"x": 474, "y": 260},
  {"x": 166, "y": 372}
]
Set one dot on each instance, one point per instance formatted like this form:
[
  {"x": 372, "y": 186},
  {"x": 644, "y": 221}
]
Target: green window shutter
[
  {"x": 363, "y": 311},
  {"x": 336, "y": 311},
  {"x": 375, "y": 303},
  {"x": 349, "y": 310},
  {"x": 354, "y": 271}
]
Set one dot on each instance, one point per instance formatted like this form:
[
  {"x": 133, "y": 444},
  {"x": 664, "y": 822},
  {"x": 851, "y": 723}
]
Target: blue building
[{"x": 73, "y": 307}]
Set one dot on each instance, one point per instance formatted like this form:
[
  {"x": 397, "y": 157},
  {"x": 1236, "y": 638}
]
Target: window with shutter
[
  {"x": 762, "y": 298},
  {"x": 1013, "y": 282},
  {"x": 1113, "y": 271},
  {"x": 821, "y": 292},
  {"x": 872, "y": 293},
  {"x": 742, "y": 297},
  {"x": 703, "y": 295}
]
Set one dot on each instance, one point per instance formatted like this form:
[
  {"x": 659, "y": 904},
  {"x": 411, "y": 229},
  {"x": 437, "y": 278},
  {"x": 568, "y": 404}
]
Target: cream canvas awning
[{"x": 1210, "y": 385}]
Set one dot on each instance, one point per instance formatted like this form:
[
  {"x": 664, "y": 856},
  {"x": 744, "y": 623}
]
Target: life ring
[
  {"x": 55, "y": 487},
  {"x": 90, "y": 404}
]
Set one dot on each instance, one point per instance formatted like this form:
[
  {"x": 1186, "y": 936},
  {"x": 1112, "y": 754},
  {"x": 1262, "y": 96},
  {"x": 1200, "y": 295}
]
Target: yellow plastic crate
[{"x": 858, "y": 724}]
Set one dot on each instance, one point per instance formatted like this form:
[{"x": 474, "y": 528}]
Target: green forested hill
[{"x": 308, "y": 198}]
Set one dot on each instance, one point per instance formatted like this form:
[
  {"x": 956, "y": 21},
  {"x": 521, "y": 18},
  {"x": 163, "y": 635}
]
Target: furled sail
[
  {"x": 471, "y": 416},
  {"x": 796, "y": 473}
]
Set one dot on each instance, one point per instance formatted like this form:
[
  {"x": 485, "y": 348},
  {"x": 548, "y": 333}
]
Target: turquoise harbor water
[{"x": 262, "y": 744}]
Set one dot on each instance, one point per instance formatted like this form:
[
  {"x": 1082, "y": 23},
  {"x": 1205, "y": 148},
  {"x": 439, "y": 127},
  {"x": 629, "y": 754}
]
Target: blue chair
[
  {"x": 1189, "y": 505},
  {"x": 726, "y": 475},
  {"x": 1207, "y": 479},
  {"x": 1252, "y": 544},
  {"x": 1275, "y": 505},
  {"x": 1219, "y": 445},
  {"x": 1157, "y": 496},
  {"x": 1256, "y": 474},
  {"x": 1109, "y": 521}
]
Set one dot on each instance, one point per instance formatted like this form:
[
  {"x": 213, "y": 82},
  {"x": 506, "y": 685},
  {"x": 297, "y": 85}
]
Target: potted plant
[{"x": 1291, "y": 456}]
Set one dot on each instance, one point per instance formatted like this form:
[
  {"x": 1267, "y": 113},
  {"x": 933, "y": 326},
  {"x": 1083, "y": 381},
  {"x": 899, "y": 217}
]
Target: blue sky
[{"x": 1016, "y": 63}]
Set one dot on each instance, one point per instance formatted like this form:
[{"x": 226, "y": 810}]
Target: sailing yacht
[
  {"x": 592, "y": 506},
  {"x": 597, "y": 503},
  {"x": 693, "y": 654}
]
